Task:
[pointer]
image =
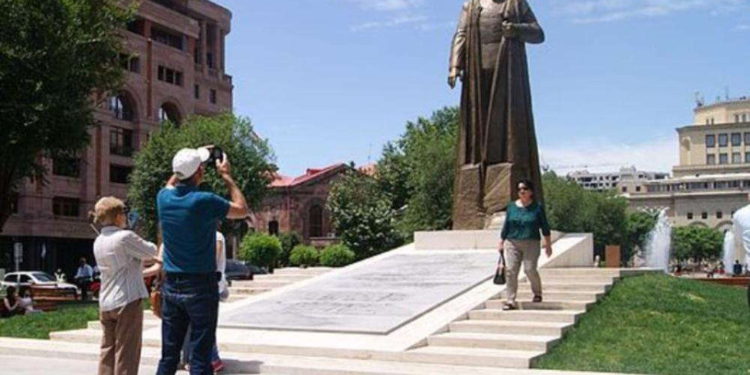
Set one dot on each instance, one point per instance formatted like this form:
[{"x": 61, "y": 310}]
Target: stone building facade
[
  {"x": 626, "y": 180},
  {"x": 175, "y": 67},
  {"x": 297, "y": 204}
]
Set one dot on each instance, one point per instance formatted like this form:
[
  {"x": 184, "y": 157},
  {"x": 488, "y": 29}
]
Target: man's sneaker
[{"x": 218, "y": 366}]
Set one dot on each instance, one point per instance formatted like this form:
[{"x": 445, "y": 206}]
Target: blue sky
[{"x": 331, "y": 81}]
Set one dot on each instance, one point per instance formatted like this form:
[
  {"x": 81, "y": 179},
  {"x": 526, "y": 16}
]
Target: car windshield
[{"x": 43, "y": 277}]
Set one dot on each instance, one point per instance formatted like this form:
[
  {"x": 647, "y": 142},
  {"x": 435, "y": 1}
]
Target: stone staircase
[
  {"x": 485, "y": 340},
  {"x": 280, "y": 278}
]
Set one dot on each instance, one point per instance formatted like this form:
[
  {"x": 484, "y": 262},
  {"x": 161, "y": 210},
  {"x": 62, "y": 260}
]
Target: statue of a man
[{"x": 497, "y": 145}]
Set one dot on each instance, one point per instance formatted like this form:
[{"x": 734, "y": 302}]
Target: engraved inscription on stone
[{"x": 376, "y": 299}]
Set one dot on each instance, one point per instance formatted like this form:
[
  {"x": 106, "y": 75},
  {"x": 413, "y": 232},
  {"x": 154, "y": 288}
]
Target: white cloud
[
  {"x": 592, "y": 11},
  {"x": 601, "y": 156},
  {"x": 397, "y": 20},
  {"x": 743, "y": 27},
  {"x": 396, "y": 13}
]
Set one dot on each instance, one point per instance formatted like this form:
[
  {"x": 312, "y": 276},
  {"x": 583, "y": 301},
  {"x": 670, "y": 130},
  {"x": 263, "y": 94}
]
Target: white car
[{"x": 38, "y": 279}]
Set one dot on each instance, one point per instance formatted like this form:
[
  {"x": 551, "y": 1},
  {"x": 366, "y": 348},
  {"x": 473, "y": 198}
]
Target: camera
[{"x": 215, "y": 153}]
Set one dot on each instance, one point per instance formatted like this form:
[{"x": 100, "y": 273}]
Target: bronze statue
[{"x": 497, "y": 145}]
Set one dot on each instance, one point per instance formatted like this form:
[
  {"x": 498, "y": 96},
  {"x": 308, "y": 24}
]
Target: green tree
[
  {"x": 698, "y": 243},
  {"x": 250, "y": 158},
  {"x": 260, "y": 249},
  {"x": 304, "y": 256},
  {"x": 418, "y": 170},
  {"x": 57, "y": 59},
  {"x": 288, "y": 241},
  {"x": 362, "y": 215},
  {"x": 639, "y": 224}
]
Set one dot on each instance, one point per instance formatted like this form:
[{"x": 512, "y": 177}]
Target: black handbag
[{"x": 500, "y": 273}]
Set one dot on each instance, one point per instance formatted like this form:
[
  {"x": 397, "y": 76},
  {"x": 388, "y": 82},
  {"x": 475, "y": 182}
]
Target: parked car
[
  {"x": 237, "y": 270},
  {"x": 38, "y": 280}
]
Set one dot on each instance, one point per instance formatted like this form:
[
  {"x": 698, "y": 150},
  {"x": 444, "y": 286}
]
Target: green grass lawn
[
  {"x": 660, "y": 325},
  {"x": 38, "y": 326}
]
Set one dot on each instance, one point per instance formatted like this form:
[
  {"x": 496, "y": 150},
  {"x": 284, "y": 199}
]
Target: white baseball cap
[{"x": 187, "y": 161}]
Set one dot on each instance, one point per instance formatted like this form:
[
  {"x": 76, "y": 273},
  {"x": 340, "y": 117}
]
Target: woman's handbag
[{"x": 500, "y": 273}]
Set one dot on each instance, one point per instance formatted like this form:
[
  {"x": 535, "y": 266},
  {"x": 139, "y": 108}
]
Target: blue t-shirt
[{"x": 188, "y": 220}]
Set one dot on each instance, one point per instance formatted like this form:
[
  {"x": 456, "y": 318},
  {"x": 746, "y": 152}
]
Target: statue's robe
[{"x": 497, "y": 145}]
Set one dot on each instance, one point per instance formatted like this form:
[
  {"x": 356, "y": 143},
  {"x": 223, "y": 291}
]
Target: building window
[
  {"x": 736, "y": 139},
  {"x": 171, "y": 76},
  {"x": 197, "y": 91},
  {"x": 747, "y": 157},
  {"x": 704, "y": 215},
  {"x": 736, "y": 158},
  {"x": 167, "y": 37},
  {"x": 710, "y": 140},
  {"x": 213, "y": 96},
  {"x": 624, "y": 189},
  {"x": 69, "y": 207},
  {"x": 130, "y": 63},
  {"x": 744, "y": 117},
  {"x": 120, "y": 141},
  {"x": 710, "y": 159},
  {"x": 690, "y": 216},
  {"x": 719, "y": 214},
  {"x": 67, "y": 167},
  {"x": 723, "y": 140},
  {"x": 14, "y": 203},
  {"x": 136, "y": 26},
  {"x": 119, "y": 174},
  {"x": 736, "y": 117},
  {"x": 316, "y": 221},
  {"x": 723, "y": 159},
  {"x": 638, "y": 189},
  {"x": 210, "y": 60},
  {"x": 273, "y": 228},
  {"x": 122, "y": 107},
  {"x": 168, "y": 113}
]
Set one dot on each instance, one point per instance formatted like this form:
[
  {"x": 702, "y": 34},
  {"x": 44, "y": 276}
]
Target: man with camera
[{"x": 188, "y": 218}]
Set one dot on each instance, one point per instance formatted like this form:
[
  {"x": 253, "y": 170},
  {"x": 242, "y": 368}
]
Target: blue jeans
[
  {"x": 189, "y": 300},
  {"x": 186, "y": 350}
]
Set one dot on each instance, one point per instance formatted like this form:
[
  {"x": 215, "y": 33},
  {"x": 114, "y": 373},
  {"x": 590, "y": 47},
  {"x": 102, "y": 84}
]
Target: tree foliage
[
  {"x": 250, "y": 158},
  {"x": 260, "y": 249},
  {"x": 697, "y": 243},
  {"x": 57, "y": 57},
  {"x": 304, "y": 256},
  {"x": 639, "y": 224},
  {"x": 337, "y": 256},
  {"x": 362, "y": 215},
  {"x": 417, "y": 171},
  {"x": 288, "y": 241}
]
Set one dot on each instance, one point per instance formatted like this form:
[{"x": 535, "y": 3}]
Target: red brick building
[
  {"x": 297, "y": 204},
  {"x": 176, "y": 68}
]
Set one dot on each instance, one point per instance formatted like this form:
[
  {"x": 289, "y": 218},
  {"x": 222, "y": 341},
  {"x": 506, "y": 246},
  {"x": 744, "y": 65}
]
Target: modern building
[
  {"x": 712, "y": 181},
  {"x": 175, "y": 67},
  {"x": 297, "y": 204},
  {"x": 626, "y": 180}
]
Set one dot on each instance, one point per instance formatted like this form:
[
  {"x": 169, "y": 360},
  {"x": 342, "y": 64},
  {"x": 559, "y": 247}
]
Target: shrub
[
  {"x": 337, "y": 256},
  {"x": 260, "y": 249},
  {"x": 304, "y": 256},
  {"x": 289, "y": 241}
]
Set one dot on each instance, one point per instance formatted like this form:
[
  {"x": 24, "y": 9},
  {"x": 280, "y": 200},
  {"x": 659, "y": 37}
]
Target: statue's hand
[
  {"x": 510, "y": 30},
  {"x": 453, "y": 77}
]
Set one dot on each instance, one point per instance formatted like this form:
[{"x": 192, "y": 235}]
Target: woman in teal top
[{"x": 520, "y": 239}]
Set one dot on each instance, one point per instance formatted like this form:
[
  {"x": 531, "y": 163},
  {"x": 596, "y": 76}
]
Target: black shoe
[
  {"x": 537, "y": 299},
  {"x": 510, "y": 306}
]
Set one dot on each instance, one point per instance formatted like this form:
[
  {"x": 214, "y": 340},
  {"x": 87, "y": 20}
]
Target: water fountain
[
  {"x": 729, "y": 252},
  {"x": 658, "y": 243}
]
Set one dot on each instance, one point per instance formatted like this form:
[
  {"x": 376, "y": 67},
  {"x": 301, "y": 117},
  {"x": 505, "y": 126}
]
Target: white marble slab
[{"x": 377, "y": 299}]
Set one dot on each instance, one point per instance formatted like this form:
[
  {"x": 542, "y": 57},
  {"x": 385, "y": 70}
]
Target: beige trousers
[
  {"x": 526, "y": 252},
  {"x": 121, "y": 342}
]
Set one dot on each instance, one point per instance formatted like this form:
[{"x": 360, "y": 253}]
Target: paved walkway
[{"x": 35, "y": 366}]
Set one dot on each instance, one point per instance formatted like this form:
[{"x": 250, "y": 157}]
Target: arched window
[
  {"x": 169, "y": 112},
  {"x": 122, "y": 107},
  {"x": 316, "y": 221},
  {"x": 273, "y": 228}
]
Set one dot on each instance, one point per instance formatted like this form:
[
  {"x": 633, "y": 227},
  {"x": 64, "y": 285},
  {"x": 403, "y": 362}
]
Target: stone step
[
  {"x": 596, "y": 279},
  {"x": 97, "y": 325},
  {"x": 301, "y": 271},
  {"x": 571, "y": 287},
  {"x": 493, "y": 341},
  {"x": 509, "y": 327},
  {"x": 266, "y": 284},
  {"x": 289, "y": 277},
  {"x": 470, "y": 361},
  {"x": 560, "y": 316},
  {"x": 609, "y": 272},
  {"x": 248, "y": 291},
  {"x": 554, "y": 295},
  {"x": 548, "y": 304},
  {"x": 518, "y": 359}
]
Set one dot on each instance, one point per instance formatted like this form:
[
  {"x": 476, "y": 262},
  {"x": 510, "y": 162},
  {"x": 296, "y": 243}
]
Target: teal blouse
[{"x": 524, "y": 223}]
